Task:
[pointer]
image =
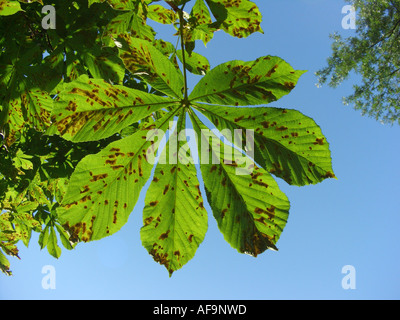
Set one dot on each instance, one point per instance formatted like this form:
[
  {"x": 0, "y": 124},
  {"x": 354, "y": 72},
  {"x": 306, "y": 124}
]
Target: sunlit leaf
[
  {"x": 162, "y": 15},
  {"x": 287, "y": 143},
  {"x": 92, "y": 109},
  {"x": 175, "y": 220},
  {"x": 195, "y": 63},
  {"x": 240, "y": 83},
  {"x": 8, "y": 8},
  {"x": 250, "y": 209},
  {"x": 145, "y": 61},
  {"x": 52, "y": 245},
  {"x": 239, "y": 18},
  {"x": 105, "y": 187}
]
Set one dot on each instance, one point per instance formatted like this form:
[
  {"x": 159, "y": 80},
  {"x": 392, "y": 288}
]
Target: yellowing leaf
[
  {"x": 239, "y": 18},
  {"x": 92, "y": 109},
  {"x": 240, "y": 83},
  {"x": 105, "y": 187},
  {"x": 174, "y": 217}
]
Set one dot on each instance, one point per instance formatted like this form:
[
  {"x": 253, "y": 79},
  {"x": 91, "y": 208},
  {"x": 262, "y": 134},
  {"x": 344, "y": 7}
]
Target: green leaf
[
  {"x": 248, "y": 205},
  {"x": 287, "y": 143},
  {"x": 145, "y": 61},
  {"x": 104, "y": 64},
  {"x": 64, "y": 237},
  {"x": 30, "y": 1},
  {"x": 239, "y": 18},
  {"x": 201, "y": 13},
  {"x": 16, "y": 226},
  {"x": 117, "y": 4},
  {"x": 21, "y": 161},
  {"x": 25, "y": 108},
  {"x": 175, "y": 221},
  {"x": 105, "y": 187},
  {"x": 52, "y": 245},
  {"x": 38, "y": 105},
  {"x": 13, "y": 117},
  {"x": 195, "y": 63},
  {"x": 44, "y": 237},
  {"x": 5, "y": 264},
  {"x": 239, "y": 83},
  {"x": 200, "y": 26},
  {"x": 92, "y": 109},
  {"x": 129, "y": 22},
  {"x": 75, "y": 68},
  {"x": 8, "y": 8},
  {"x": 162, "y": 15},
  {"x": 202, "y": 32}
]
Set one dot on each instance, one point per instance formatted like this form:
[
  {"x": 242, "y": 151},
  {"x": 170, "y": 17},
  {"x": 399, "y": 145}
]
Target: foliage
[
  {"x": 374, "y": 54},
  {"x": 85, "y": 106}
]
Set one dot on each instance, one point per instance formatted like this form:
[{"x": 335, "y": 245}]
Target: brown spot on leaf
[
  {"x": 148, "y": 220},
  {"x": 164, "y": 236},
  {"x": 99, "y": 177},
  {"x": 281, "y": 128},
  {"x": 289, "y": 85},
  {"x": 166, "y": 188},
  {"x": 272, "y": 71},
  {"x": 239, "y": 118},
  {"x": 85, "y": 189},
  {"x": 329, "y": 175},
  {"x": 319, "y": 141}
]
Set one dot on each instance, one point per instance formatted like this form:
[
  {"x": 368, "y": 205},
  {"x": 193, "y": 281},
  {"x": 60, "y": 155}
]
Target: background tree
[
  {"x": 374, "y": 54},
  {"x": 79, "y": 102}
]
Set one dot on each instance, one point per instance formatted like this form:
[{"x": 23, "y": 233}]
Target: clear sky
[{"x": 350, "y": 221}]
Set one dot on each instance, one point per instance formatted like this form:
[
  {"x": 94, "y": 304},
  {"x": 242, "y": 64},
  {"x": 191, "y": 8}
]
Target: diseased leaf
[
  {"x": 84, "y": 108},
  {"x": 64, "y": 237},
  {"x": 195, "y": 63},
  {"x": 287, "y": 143},
  {"x": 8, "y": 8},
  {"x": 22, "y": 161},
  {"x": 175, "y": 220},
  {"x": 4, "y": 264},
  {"x": 239, "y": 18},
  {"x": 37, "y": 105},
  {"x": 105, "y": 187},
  {"x": 239, "y": 83},
  {"x": 104, "y": 64},
  {"x": 162, "y": 15},
  {"x": 129, "y": 22},
  {"x": 13, "y": 119},
  {"x": 30, "y": 1},
  {"x": 201, "y": 13},
  {"x": 75, "y": 68},
  {"x": 145, "y": 61},
  {"x": 200, "y": 25},
  {"x": 91, "y": 109},
  {"x": 250, "y": 209}
]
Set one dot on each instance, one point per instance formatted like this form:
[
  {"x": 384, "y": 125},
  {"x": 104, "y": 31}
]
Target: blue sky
[{"x": 350, "y": 221}]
